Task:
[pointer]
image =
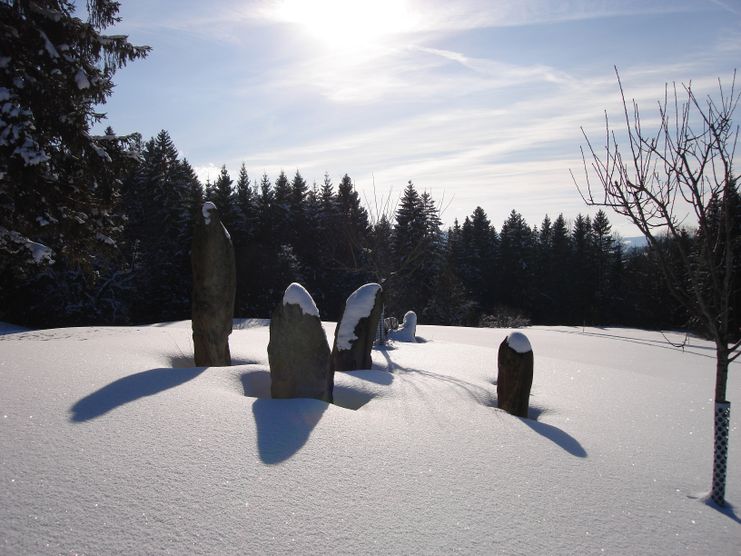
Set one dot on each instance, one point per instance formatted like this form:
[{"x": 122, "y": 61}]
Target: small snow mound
[
  {"x": 519, "y": 342},
  {"x": 408, "y": 329},
  {"x": 296, "y": 294},
  {"x": 208, "y": 206},
  {"x": 358, "y": 306}
]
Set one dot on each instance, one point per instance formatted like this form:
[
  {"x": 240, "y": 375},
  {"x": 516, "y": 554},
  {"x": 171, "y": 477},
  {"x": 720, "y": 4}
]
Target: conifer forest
[{"x": 96, "y": 229}]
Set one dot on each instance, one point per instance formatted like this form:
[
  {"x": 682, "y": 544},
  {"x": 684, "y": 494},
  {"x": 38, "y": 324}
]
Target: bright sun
[{"x": 346, "y": 23}]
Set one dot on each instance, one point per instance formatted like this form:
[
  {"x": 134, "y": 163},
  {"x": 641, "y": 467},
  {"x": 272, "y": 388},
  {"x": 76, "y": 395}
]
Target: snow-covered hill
[{"x": 111, "y": 442}]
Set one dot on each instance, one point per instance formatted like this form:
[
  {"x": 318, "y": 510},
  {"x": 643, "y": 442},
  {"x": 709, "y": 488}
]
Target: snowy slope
[{"x": 110, "y": 442}]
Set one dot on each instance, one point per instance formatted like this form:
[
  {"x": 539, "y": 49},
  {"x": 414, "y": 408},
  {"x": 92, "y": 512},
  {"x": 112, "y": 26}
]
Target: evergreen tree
[
  {"x": 57, "y": 184},
  {"x": 477, "y": 258},
  {"x": 281, "y": 209},
  {"x": 301, "y": 237},
  {"x": 245, "y": 204},
  {"x": 245, "y": 250},
  {"x": 408, "y": 249},
  {"x": 223, "y": 197},
  {"x": 160, "y": 201},
  {"x": 516, "y": 259},
  {"x": 558, "y": 284},
  {"x": 583, "y": 268},
  {"x": 603, "y": 257}
]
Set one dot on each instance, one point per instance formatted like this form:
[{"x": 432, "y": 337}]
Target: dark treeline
[{"x": 557, "y": 272}]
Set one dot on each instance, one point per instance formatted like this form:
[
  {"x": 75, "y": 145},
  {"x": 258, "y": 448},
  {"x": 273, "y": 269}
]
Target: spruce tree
[
  {"x": 245, "y": 249},
  {"x": 559, "y": 289},
  {"x": 516, "y": 257},
  {"x": 244, "y": 205},
  {"x": 56, "y": 191},
  {"x": 583, "y": 268},
  {"x": 162, "y": 198},
  {"x": 603, "y": 256},
  {"x": 225, "y": 199}
]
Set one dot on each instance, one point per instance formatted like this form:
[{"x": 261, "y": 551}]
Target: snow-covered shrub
[{"x": 504, "y": 317}]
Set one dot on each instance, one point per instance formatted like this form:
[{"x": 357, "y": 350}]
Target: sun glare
[{"x": 346, "y": 23}]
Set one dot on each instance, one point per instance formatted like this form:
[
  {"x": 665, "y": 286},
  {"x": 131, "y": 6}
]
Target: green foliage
[{"x": 59, "y": 185}]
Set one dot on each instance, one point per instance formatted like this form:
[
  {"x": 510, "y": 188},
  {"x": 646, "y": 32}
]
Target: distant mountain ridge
[{"x": 634, "y": 242}]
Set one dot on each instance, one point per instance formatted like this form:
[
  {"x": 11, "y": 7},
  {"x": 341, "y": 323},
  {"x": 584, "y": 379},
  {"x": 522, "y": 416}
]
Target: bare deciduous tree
[{"x": 677, "y": 185}]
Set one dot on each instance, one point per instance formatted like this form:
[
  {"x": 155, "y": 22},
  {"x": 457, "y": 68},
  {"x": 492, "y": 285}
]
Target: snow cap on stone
[
  {"x": 358, "y": 306},
  {"x": 296, "y": 294},
  {"x": 519, "y": 342},
  {"x": 208, "y": 206}
]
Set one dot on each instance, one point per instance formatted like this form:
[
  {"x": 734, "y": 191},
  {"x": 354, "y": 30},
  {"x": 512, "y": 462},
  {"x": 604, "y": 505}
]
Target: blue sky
[{"x": 478, "y": 102}]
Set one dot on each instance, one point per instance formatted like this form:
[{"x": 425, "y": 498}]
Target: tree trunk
[
  {"x": 721, "y": 369},
  {"x": 722, "y": 418}
]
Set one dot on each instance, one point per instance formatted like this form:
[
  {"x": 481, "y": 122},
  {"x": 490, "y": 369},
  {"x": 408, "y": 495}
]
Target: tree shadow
[
  {"x": 556, "y": 435},
  {"x": 390, "y": 365},
  {"x": 729, "y": 510},
  {"x": 186, "y": 362},
  {"x": 284, "y": 426},
  {"x": 128, "y": 389},
  {"x": 662, "y": 344}
]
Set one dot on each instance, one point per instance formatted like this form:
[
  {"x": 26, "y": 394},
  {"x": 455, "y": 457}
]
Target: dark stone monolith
[
  {"x": 356, "y": 331},
  {"x": 298, "y": 351},
  {"x": 515, "y": 374},
  {"x": 214, "y": 284}
]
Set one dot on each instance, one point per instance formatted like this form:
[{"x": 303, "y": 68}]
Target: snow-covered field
[{"x": 111, "y": 442}]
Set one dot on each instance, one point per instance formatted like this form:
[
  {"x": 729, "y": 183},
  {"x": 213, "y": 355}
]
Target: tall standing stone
[
  {"x": 214, "y": 286},
  {"x": 356, "y": 331},
  {"x": 298, "y": 351},
  {"x": 515, "y": 374}
]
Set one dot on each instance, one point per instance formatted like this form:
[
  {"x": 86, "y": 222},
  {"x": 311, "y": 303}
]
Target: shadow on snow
[
  {"x": 284, "y": 426},
  {"x": 130, "y": 388}
]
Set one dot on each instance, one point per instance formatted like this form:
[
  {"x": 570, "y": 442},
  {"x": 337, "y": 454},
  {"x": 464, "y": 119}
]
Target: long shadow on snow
[
  {"x": 488, "y": 399},
  {"x": 557, "y": 436},
  {"x": 284, "y": 426},
  {"x": 662, "y": 344},
  {"x": 130, "y": 388},
  {"x": 729, "y": 510}
]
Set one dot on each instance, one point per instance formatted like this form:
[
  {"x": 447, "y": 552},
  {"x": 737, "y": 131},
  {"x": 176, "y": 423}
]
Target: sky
[{"x": 481, "y": 103}]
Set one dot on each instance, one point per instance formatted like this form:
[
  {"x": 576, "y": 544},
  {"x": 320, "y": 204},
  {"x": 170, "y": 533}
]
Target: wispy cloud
[{"x": 483, "y": 125}]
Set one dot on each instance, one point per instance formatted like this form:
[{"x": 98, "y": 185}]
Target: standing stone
[
  {"x": 214, "y": 285},
  {"x": 515, "y": 374},
  {"x": 298, "y": 351},
  {"x": 407, "y": 331},
  {"x": 356, "y": 331}
]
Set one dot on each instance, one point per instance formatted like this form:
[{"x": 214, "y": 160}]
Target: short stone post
[
  {"x": 298, "y": 351},
  {"x": 515, "y": 374},
  {"x": 356, "y": 331},
  {"x": 214, "y": 285}
]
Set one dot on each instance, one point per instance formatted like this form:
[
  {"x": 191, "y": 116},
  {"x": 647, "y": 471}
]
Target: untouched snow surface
[
  {"x": 296, "y": 294},
  {"x": 358, "y": 306},
  {"x": 111, "y": 442}
]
